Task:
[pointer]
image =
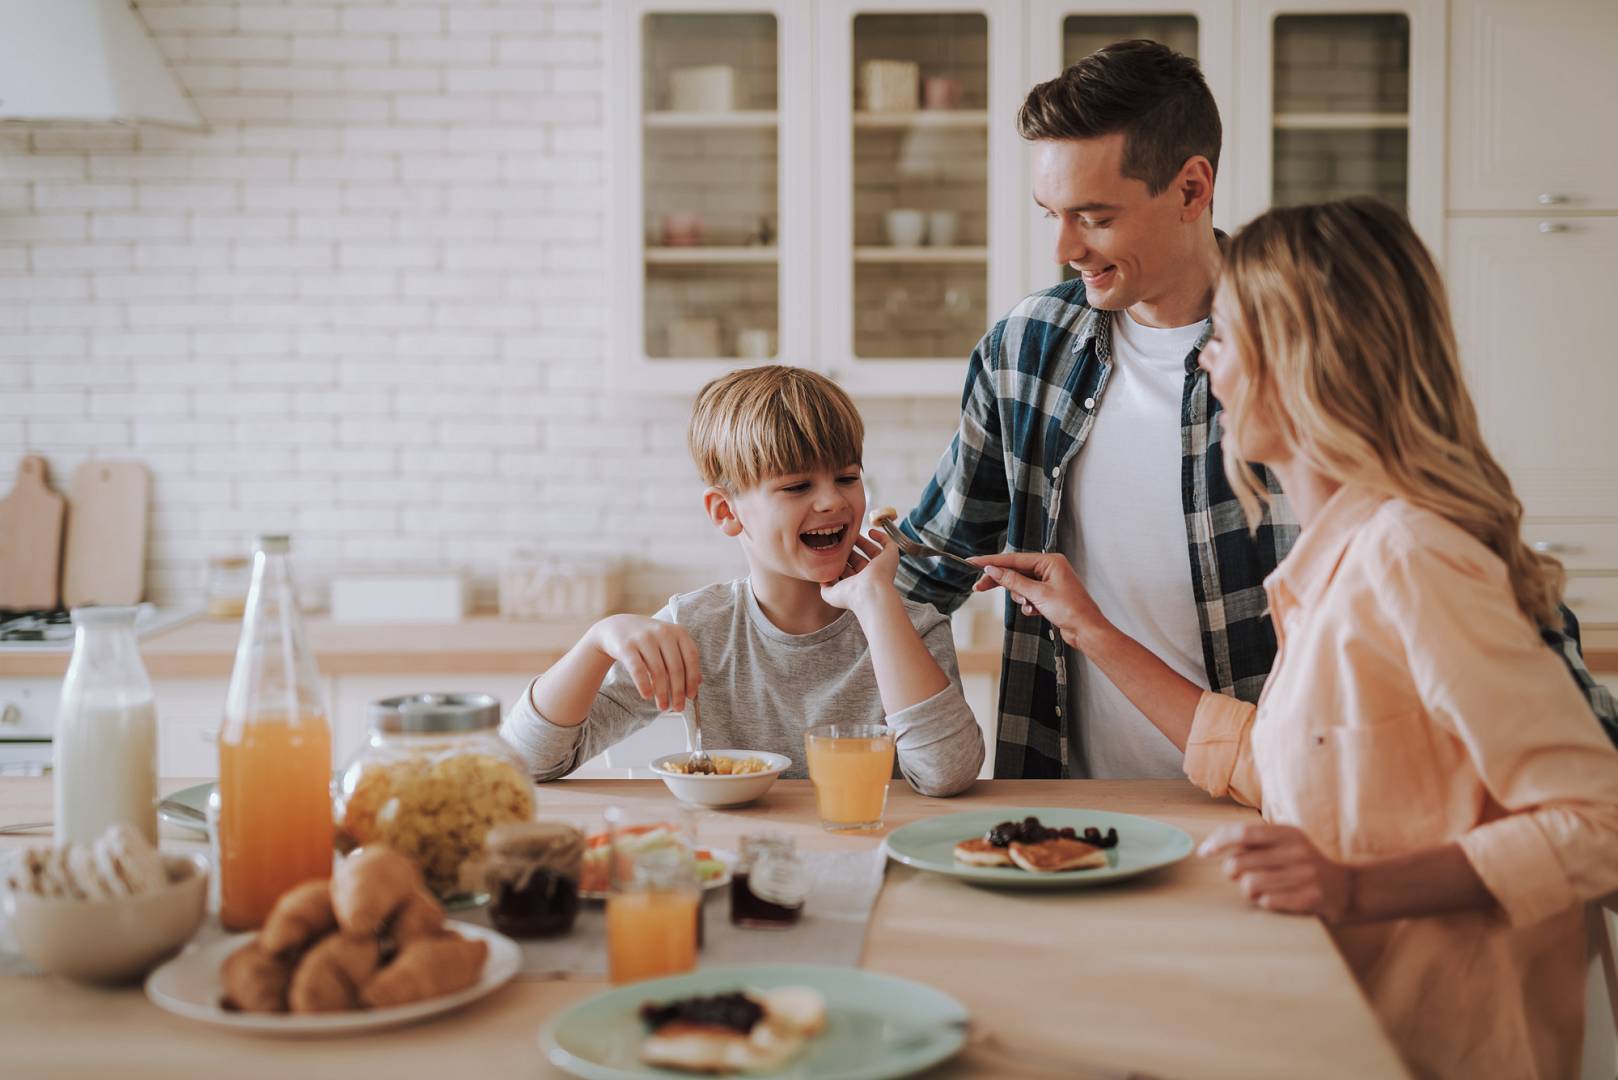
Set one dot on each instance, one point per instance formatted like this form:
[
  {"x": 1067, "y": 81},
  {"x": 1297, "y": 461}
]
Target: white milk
[{"x": 106, "y": 769}]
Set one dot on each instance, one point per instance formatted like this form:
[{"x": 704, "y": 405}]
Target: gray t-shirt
[{"x": 762, "y": 687}]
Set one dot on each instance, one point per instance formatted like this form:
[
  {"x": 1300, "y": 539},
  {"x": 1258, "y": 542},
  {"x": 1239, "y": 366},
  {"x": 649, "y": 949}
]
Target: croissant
[
  {"x": 329, "y": 976},
  {"x": 369, "y": 886},
  {"x": 255, "y": 980},
  {"x": 302, "y": 915},
  {"x": 427, "y": 968},
  {"x": 420, "y": 917}
]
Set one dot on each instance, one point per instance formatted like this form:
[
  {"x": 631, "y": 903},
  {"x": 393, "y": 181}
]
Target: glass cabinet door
[
  {"x": 922, "y": 99},
  {"x": 711, "y": 124},
  {"x": 1330, "y": 107},
  {"x": 710, "y": 208},
  {"x": 1063, "y": 32}
]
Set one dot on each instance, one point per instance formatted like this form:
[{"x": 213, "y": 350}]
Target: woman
[{"x": 1432, "y": 784}]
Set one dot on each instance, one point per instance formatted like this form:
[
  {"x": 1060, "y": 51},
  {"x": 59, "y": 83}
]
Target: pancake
[
  {"x": 979, "y": 852},
  {"x": 1055, "y": 856}
]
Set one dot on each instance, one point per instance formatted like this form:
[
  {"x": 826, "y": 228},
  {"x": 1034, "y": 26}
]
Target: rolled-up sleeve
[
  {"x": 1485, "y": 676},
  {"x": 1219, "y": 750}
]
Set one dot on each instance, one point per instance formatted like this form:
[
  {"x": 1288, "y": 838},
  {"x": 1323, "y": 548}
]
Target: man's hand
[
  {"x": 659, "y": 656},
  {"x": 1044, "y": 582},
  {"x": 1279, "y": 869},
  {"x": 869, "y": 570}
]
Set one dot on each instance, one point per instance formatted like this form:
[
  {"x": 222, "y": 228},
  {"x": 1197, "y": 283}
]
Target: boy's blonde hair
[
  {"x": 768, "y": 421},
  {"x": 1345, "y": 334}
]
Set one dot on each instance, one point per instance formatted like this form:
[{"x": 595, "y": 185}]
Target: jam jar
[
  {"x": 431, "y": 782},
  {"x": 768, "y": 886},
  {"x": 531, "y": 872}
]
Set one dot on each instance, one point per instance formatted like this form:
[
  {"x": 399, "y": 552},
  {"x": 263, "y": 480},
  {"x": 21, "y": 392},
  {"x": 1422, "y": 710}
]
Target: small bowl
[
  {"x": 110, "y": 941},
  {"x": 718, "y": 790}
]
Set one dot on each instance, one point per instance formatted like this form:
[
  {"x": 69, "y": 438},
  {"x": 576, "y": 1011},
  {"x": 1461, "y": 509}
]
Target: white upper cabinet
[
  {"x": 1532, "y": 88},
  {"x": 1339, "y": 98},
  {"x": 917, "y": 210}
]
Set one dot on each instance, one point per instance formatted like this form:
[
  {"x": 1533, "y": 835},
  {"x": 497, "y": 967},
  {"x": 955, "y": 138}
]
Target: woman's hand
[
  {"x": 870, "y": 569},
  {"x": 1044, "y": 582},
  {"x": 1279, "y": 869}
]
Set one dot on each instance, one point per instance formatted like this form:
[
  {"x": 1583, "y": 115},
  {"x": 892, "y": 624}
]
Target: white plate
[
  {"x": 726, "y": 857},
  {"x": 189, "y": 986}
]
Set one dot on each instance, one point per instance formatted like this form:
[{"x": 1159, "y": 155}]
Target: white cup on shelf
[
  {"x": 906, "y": 228},
  {"x": 942, "y": 227}
]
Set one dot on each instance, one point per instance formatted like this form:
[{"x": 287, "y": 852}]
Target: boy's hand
[
  {"x": 659, "y": 656},
  {"x": 869, "y": 571}
]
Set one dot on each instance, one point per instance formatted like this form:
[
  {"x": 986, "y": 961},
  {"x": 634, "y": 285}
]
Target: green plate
[
  {"x": 877, "y": 1026},
  {"x": 1143, "y": 845}
]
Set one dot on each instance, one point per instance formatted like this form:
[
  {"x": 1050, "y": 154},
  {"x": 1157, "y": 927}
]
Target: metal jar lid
[{"x": 423, "y": 713}]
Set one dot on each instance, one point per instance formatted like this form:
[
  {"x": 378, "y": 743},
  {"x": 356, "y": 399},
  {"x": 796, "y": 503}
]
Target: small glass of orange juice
[
  {"x": 654, "y": 904},
  {"x": 850, "y": 765}
]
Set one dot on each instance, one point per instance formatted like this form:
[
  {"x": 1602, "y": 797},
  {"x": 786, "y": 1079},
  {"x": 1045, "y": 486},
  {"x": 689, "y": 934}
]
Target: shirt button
[
  {"x": 1059, "y": 710},
  {"x": 1056, "y": 473},
  {"x": 1052, "y": 633},
  {"x": 1089, "y": 403}
]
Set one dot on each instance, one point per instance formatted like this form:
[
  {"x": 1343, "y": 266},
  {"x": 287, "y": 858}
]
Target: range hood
[{"x": 85, "y": 60}]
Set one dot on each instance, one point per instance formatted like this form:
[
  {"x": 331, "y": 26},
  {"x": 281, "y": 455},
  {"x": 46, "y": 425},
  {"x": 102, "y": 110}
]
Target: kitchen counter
[
  {"x": 1173, "y": 974},
  {"x": 483, "y": 644}
]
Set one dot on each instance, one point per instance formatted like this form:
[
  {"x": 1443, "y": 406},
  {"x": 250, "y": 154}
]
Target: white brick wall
[{"x": 369, "y": 305}]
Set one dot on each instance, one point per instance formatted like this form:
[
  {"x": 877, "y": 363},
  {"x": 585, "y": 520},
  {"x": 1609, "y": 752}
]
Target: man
[{"x": 1126, "y": 151}]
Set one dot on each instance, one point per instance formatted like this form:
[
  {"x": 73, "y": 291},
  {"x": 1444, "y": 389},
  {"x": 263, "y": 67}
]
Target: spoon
[{"x": 699, "y": 761}]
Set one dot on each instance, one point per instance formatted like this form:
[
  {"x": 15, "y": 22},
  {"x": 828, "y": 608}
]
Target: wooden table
[{"x": 1173, "y": 974}]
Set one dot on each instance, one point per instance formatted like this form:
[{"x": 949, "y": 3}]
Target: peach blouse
[{"x": 1413, "y": 705}]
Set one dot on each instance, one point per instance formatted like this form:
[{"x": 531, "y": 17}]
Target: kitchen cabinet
[
  {"x": 1529, "y": 294},
  {"x": 857, "y": 222},
  {"x": 1529, "y": 88},
  {"x": 1341, "y": 97}
]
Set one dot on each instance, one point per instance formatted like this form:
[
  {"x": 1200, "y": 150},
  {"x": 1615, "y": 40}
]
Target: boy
[{"x": 816, "y": 633}]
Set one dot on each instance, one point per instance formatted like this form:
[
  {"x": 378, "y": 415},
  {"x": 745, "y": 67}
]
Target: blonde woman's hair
[
  {"x": 769, "y": 421},
  {"x": 1344, "y": 329}
]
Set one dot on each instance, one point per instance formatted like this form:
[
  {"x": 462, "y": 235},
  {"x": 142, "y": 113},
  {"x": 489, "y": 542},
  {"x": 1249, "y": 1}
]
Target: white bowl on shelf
[
  {"x": 111, "y": 941},
  {"x": 714, "y": 790}
]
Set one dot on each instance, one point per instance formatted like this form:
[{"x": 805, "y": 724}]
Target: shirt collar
[{"x": 1312, "y": 563}]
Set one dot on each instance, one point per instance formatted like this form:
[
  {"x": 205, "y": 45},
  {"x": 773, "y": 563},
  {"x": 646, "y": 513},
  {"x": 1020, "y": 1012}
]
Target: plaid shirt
[{"x": 1033, "y": 387}]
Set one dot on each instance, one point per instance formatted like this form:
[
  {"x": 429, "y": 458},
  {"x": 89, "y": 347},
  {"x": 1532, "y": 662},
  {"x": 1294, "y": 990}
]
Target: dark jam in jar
[
  {"x": 530, "y": 870},
  {"x": 541, "y": 905},
  {"x": 768, "y": 888}
]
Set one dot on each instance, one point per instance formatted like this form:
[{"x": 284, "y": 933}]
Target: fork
[
  {"x": 917, "y": 550},
  {"x": 698, "y": 761}
]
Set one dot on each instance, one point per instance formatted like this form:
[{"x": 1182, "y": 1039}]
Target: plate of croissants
[{"x": 368, "y": 949}]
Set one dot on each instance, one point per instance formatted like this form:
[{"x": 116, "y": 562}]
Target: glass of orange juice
[
  {"x": 850, "y": 765},
  {"x": 655, "y": 901}
]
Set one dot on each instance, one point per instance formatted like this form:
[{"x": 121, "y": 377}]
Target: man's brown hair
[
  {"x": 1154, "y": 95},
  {"x": 774, "y": 420}
]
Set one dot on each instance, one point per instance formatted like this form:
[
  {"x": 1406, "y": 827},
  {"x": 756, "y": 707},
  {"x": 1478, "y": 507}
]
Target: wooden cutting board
[
  {"x": 106, "y": 534},
  {"x": 31, "y": 540}
]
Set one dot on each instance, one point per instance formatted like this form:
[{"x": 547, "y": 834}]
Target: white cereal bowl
[
  {"x": 111, "y": 941},
  {"x": 721, "y": 790}
]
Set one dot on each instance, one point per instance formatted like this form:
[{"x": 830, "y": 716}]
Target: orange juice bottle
[
  {"x": 652, "y": 915},
  {"x": 274, "y": 817}
]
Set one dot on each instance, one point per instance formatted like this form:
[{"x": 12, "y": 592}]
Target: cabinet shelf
[
  {"x": 731, "y": 119},
  {"x": 712, "y": 255},
  {"x": 921, "y": 254},
  {"x": 923, "y": 118},
  {"x": 1345, "y": 121}
]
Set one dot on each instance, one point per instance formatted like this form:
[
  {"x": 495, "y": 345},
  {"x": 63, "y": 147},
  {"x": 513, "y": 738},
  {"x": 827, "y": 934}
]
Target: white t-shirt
[{"x": 1123, "y": 528}]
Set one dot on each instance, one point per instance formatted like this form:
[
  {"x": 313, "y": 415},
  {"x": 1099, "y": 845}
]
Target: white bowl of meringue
[{"x": 106, "y": 912}]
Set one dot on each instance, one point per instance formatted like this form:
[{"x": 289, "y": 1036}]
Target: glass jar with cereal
[{"x": 431, "y": 782}]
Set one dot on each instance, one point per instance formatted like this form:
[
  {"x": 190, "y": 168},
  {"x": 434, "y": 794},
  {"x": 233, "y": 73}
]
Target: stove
[{"x": 52, "y": 631}]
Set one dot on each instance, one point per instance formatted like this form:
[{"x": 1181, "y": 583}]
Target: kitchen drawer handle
[
  {"x": 10, "y": 714},
  {"x": 1551, "y": 199},
  {"x": 1549, "y": 227},
  {"x": 1553, "y": 547},
  {"x": 209, "y": 734}
]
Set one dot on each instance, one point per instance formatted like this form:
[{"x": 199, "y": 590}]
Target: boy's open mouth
[{"x": 823, "y": 539}]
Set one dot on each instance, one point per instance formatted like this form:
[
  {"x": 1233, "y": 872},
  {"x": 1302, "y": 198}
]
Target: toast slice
[
  {"x": 979, "y": 852},
  {"x": 1056, "y": 856}
]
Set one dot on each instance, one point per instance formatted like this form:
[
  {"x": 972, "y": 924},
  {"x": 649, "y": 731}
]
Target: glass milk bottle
[
  {"x": 274, "y": 817},
  {"x": 106, "y": 732}
]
